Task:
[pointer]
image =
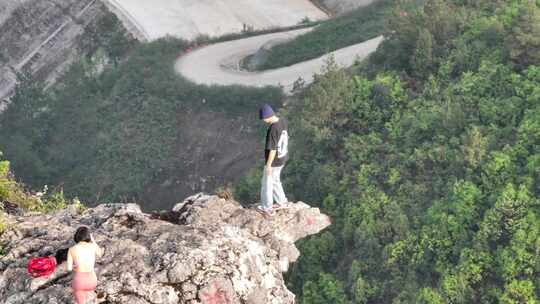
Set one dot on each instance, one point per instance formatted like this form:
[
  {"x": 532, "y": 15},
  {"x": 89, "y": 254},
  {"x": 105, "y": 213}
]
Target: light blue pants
[{"x": 271, "y": 189}]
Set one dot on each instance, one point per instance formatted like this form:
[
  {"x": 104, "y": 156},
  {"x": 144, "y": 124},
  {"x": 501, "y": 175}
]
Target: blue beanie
[{"x": 266, "y": 111}]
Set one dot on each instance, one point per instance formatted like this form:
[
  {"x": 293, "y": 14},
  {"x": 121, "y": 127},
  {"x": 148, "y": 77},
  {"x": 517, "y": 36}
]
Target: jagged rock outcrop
[{"x": 206, "y": 250}]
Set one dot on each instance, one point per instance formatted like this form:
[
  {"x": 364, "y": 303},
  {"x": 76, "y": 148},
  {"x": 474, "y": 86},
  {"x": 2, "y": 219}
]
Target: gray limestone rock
[
  {"x": 205, "y": 250},
  {"x": 42, "y": 38}
]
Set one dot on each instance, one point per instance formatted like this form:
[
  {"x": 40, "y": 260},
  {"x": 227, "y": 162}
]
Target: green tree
[
  {"x": 422, "y": 60},
  {"x": 23, "y": 125},
  {"x": 518, "y": 292},
  {"x": 324, "y": 290},
  {"x": 523, "y": 41}
]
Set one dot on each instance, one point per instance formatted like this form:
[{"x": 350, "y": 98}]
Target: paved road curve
[{"x": 215, "y": 64}]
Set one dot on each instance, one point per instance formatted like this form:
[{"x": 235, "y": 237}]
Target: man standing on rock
[{"x": 276, "y": 155}]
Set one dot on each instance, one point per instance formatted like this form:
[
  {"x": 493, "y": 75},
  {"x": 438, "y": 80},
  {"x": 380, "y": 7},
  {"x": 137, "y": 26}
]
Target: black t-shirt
[{"x": 277, "y": 138}]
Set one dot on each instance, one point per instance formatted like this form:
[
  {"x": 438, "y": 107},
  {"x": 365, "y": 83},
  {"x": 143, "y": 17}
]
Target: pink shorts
[{"x": 84, "y": 281}]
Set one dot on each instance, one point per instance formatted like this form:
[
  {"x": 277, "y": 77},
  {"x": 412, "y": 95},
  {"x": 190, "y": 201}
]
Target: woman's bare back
[{"x": 82, "y": 257}]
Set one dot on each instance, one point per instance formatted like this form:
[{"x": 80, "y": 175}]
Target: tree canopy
[{"x": 427, "y": 157}]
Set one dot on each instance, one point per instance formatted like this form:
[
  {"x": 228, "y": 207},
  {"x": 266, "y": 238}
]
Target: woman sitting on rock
[{"x": 81, "y": 259}]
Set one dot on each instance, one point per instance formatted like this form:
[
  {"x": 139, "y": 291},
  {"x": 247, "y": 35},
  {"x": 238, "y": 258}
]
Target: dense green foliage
[
  {"x": 355, "y": 27},
  {"x": 105, "y": 135},
  {"x": 427, "y": 157},
  {"x": 106, "y": 35},
  {"x": 428, "y": 161},
  {"x": 13, "y": 192}
]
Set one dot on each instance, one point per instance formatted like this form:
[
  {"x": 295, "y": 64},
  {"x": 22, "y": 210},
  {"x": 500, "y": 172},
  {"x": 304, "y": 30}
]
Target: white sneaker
[
  {"x": 264, "y": 211},
  {"x": 277, "y": 206}
]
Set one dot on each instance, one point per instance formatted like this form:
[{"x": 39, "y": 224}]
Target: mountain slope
[{"x": 427, "y": 158}]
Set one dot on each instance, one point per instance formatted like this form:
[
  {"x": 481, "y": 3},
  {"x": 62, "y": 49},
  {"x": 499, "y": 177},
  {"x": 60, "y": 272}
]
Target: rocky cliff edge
[{"x": 206, "y": 250}]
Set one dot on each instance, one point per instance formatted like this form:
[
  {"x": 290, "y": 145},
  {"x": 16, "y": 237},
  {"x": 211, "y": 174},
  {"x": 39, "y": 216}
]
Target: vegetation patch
[
  {"x": 355, "y": 27},
  {"x": 104, "y": 133},
  {"x": 13, "y": 195},
  {"x": 427, "y": 160}
]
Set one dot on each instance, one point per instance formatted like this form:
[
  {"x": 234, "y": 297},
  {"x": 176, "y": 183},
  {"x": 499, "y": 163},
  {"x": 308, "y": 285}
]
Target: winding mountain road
[{"x": 217, "y": 64}]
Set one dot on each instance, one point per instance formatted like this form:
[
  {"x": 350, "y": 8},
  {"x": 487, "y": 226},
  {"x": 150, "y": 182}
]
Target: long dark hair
[{"x": 82, "y": 235}]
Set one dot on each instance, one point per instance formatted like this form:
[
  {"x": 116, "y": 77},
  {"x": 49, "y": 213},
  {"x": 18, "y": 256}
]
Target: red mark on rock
[
  {"x": 217, "y": 296},
  {"x": 310, "y": 220},
  {"x": 403, "y": 14}
]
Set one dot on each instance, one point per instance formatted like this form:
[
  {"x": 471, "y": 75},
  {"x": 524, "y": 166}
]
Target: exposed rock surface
[
  {"x": 207, "y": 250},
  {"x": 41, "y": 37}
]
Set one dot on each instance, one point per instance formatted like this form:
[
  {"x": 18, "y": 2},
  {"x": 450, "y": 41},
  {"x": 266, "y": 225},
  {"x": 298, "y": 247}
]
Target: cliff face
[
  {"x": 41, "y": 37},
  {"x": 206, "y": 250}
]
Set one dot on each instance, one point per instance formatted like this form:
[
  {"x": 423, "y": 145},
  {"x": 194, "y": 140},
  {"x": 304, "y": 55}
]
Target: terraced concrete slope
[
  {"x": 218, "y": 63},
  {"x": 41, "y": 38},
  {"x": 190, "y": 18}
]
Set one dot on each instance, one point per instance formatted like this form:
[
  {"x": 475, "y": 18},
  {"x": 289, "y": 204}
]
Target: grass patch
[
  {"x": 14, "y": 194},
  {"x": 204, "y": 39},
  {"x": 352, "y": 28}
]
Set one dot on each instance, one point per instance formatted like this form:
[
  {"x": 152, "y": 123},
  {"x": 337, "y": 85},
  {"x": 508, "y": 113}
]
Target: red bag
[{"x": 42, "y": 266}]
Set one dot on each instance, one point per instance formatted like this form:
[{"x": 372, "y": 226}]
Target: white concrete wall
[{"x": 190, "y": 18}]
